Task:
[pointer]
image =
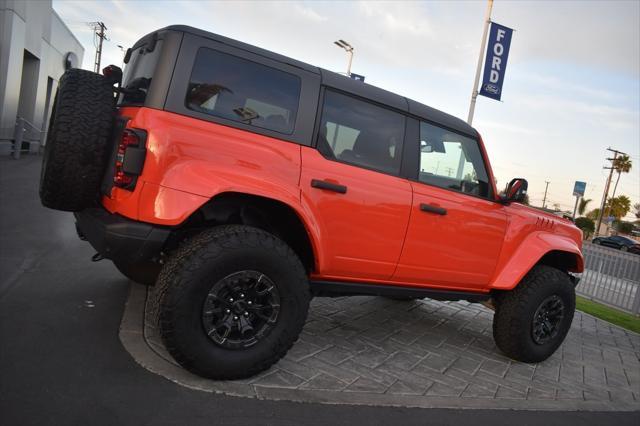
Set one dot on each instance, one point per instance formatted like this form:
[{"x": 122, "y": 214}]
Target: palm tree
[
  {"x": 583, "y": 205},
  {"x": 621, "y": 165},
  {"x": 619, "y": 206}
]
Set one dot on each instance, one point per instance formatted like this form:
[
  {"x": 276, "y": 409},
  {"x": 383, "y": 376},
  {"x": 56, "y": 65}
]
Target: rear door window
[
  {"x": 360, "y": 133},
  {"x": 244, "y": 91}
]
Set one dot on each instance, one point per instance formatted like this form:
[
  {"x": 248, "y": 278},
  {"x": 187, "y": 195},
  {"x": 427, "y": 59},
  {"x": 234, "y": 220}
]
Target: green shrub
[{"x": 587, "y": 225}]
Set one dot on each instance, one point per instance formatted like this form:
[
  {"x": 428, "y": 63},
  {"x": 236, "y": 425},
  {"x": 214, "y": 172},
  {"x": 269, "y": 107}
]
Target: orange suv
[{"x": 241, "y": 183}]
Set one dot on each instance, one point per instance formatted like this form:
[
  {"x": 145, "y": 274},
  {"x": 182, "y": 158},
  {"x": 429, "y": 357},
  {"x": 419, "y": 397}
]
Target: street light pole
[
  {"x": 575, "y": 208},
  {"x": 474, "y": 93},
  {"x": 544, "y": 200},
  {"x": 123, "y": 50},
  {"x": 349, "y": 49}
]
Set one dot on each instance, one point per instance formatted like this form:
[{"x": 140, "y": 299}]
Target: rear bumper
[{"x": 118, "y": 238}]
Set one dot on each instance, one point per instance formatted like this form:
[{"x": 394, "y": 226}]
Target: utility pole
[
  {"x": 606, "y": 188},
  {"x": 99, "y": 36},
  {"x": 474, "y": 93},
  {"x": 544, "y": 200}
]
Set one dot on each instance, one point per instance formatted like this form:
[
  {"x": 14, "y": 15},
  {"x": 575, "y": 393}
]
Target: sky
[{"x": 571, "y": 90}]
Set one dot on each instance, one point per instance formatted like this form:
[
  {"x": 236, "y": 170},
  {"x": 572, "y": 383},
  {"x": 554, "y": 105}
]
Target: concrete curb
[{"x": 132, "y": 337}]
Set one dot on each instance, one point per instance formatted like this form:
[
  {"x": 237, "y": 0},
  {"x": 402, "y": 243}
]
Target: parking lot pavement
[{"x": 61, "y": 361}]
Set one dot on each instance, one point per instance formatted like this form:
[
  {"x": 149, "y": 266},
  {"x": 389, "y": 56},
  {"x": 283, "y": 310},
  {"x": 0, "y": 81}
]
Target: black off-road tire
[
  {"x": 77, "y": 148},
  {"x": 515, "y": 310},
  {"x": 145, "y": 273},
  {"x": 186, "y": 279}
]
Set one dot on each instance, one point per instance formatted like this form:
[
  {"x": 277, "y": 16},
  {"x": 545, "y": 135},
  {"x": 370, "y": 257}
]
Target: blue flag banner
[{"x": 495, "y": 63}]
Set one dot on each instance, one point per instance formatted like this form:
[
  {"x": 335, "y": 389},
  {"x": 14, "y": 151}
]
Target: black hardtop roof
[{"x": 337, "y": 81}]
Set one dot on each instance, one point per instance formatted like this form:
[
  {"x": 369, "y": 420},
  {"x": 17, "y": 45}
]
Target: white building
[{"x": 34, "y": 46}]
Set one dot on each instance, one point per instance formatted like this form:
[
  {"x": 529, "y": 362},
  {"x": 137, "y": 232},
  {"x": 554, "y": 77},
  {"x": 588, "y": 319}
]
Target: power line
[{"x": 99, "y": 36}]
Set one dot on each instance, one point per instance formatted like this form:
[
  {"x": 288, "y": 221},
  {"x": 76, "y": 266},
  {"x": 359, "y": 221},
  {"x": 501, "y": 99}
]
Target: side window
[
  {"x": 139, "y": 73},
  {"x": 241, "y": 90},
  {"x": 451, "y": 161},
  {"x": 360, "y": 133}
]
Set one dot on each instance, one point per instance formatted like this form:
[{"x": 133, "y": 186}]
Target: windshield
[{"x": 139, "y": 72}]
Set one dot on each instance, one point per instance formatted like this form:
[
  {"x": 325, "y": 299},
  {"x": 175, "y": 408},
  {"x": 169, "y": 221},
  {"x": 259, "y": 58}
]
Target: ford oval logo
[{"x": 491, "y": 88}]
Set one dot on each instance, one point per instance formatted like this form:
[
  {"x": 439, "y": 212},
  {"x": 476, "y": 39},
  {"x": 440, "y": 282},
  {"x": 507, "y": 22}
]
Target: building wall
[{"x": 30, "y": 29}]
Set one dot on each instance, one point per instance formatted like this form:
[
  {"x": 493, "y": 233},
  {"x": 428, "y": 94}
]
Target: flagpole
[{"x": 474, "y": 93}]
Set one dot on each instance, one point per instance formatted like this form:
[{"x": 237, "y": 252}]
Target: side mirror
[{"x": 516, "y": 191}]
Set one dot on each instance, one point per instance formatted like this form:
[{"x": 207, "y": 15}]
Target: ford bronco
[{"x": 241, "y": 183}]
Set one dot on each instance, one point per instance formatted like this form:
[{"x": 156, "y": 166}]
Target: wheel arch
[
  {"x": 269, "y": 214},
  {"x": 554, "y": 250}
]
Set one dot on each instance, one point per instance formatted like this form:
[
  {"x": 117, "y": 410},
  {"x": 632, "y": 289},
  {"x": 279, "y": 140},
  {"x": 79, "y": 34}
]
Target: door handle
[
  {"x": 433, "y": 209},
  {"x": 322, "y": 184}
]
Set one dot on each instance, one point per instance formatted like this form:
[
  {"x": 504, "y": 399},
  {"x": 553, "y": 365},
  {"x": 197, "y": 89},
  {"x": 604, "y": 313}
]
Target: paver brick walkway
[{"x": 372, "y": 350}]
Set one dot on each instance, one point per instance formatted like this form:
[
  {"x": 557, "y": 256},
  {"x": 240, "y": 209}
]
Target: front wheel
[
  {"x": 532, "y": 320},
  {"x": 231, "y": 302}
]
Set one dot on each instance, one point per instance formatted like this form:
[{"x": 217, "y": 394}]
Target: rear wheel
[
  {"x": 231, "y": 302},
  {"x": 75, "y": 154},
  {"x": 532, "y": 320}
]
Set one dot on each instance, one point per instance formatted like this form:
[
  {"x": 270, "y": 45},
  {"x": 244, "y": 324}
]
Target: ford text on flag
[{"x": 495, "y": 63}]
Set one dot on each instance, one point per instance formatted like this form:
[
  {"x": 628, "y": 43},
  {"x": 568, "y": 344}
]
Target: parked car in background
[{"x": 618, "y": 242}]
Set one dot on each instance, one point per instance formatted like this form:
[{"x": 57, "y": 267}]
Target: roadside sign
[
  {"x": 578, "y": 188},
  {"x": 357, "y": 77},
  {"x": 495, "y": 63}
]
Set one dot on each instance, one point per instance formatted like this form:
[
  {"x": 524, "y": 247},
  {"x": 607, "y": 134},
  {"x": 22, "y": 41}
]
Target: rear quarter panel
[{"x": 189, "y": 161}]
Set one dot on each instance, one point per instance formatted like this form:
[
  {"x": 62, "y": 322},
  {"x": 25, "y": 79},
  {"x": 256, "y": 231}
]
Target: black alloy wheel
[
  {"x": 547, "y": 319},
  {"x": 241, "y": 309}
]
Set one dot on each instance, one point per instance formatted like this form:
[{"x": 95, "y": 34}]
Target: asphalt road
[{"x": 61, "y": 361}]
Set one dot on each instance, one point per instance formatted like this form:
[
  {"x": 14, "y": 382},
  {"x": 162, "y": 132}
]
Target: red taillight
[{"x": 120, "y": 178}]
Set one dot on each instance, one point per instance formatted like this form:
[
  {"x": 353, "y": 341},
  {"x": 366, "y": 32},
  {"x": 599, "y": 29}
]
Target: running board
[{"x": 337, "y": 288}]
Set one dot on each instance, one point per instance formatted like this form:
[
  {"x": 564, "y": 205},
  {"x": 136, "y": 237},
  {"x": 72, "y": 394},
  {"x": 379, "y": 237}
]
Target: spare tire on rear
[{"x": 77, "y": 147}]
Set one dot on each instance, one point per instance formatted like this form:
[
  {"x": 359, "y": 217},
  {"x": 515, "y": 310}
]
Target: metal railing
[
  {"x": 611, "y": 277},
  {"x": 25, "y": 131}
]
